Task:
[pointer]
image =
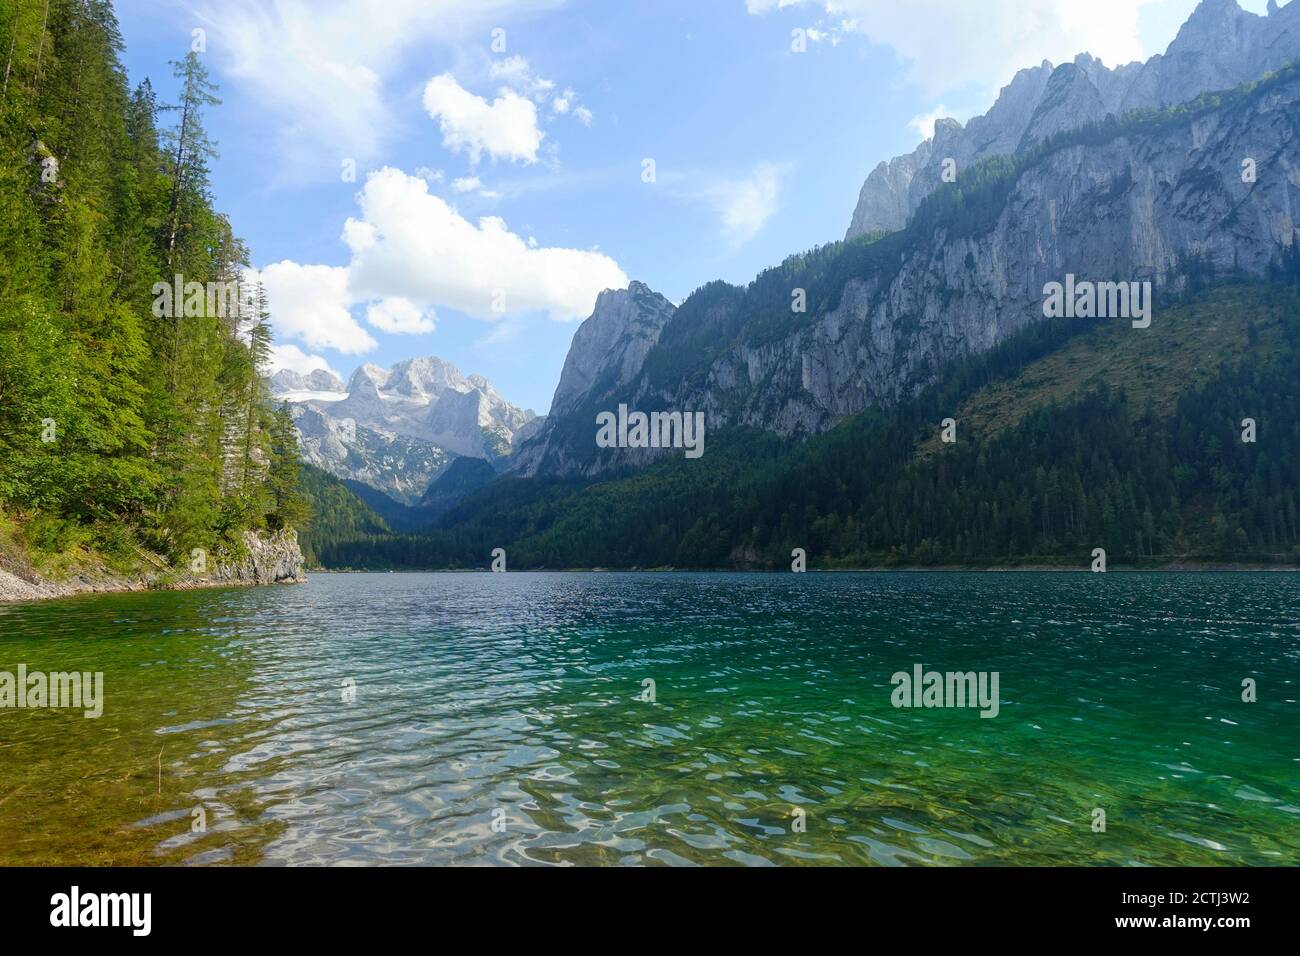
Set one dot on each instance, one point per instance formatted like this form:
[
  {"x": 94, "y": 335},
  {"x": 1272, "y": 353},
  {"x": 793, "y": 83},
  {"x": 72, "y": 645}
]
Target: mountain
[
  {"x": 606, "y": 355},
  {"x": 397, "y": 429},
  {"x": 1158, "y": 197},
  {"x": 1074, "y": 433},
  {"x": 462, "y": 477},
  {"x": 399, "y": 517},
  {"x": 337, "y": 514},
  {"x": 1220, "y": 47},
  {"x": 286, "y": 382},
  {"x": 1071, "y": 436}
]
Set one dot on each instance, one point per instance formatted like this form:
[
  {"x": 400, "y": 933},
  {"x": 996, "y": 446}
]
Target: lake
[{"x": 507, "y": 719}]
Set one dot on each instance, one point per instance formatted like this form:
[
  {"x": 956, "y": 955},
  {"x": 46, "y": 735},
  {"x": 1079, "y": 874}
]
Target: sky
[{"x": 461, "y": 178}]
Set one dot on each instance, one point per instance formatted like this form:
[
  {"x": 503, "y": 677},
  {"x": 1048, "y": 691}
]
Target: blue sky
[{"x": 500, "y": 146}]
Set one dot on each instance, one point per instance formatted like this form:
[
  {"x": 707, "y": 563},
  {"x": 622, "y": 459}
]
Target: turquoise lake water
[{"x": 500, "y": 719}]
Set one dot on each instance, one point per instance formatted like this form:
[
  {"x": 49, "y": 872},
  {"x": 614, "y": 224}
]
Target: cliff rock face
[
  {"x": 399, "y": 467},
  {"x": 606, "y": 356},
  {"x": 274, "y": 559},
  {"x": 1133, "y": 206},
  {"x": 1220, "y": 47}
]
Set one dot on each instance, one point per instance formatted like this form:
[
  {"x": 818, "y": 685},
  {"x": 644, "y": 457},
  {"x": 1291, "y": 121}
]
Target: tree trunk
[
  {"x": 40, "y": 46},
  {"x": 180, "y": 177},
  {"x": 13, "y": 41}
]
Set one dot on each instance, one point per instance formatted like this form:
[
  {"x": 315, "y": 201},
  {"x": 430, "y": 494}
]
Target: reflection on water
[{"x": 498, "y": 719}]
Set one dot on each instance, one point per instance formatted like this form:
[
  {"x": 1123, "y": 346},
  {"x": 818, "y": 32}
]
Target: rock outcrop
[
  {"x": 273, "y": 559},
  {"x": 267, "y": 559}
]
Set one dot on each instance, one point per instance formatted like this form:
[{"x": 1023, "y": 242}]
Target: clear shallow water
[{"x": 517, "y": 696}]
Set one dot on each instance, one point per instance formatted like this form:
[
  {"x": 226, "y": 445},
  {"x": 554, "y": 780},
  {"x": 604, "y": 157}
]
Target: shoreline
[
  {"x": 16, "y": 590},
  {"x": 1177, "y": 568},
  {"x": 268, "y": 560}
]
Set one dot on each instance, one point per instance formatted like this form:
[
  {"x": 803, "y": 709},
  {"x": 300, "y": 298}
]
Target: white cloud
[
  {"x": 745, "y": 205},
  {"x": 321, "y": 68},
  {"x": 466, "y": 184},
  {"x": 400, "y": 317},
  {"x": 310, "y": 303},
  {"x": 517, "y": 73},
  {"x": 413, "y": 245},
  {"x": 296, "y": 360},
  {"x": 412, "y": 251},
  {"x": 947, "y": 44},
  {"x": 505, "y": 128},
  {"x": 924, "y": 123}
]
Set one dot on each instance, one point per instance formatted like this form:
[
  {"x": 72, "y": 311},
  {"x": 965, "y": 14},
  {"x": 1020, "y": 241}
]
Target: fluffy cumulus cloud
[
  {"x": 296, "y": 360},
  {"x": 505, "y": 128},
  {"x": 517, "y": 73},
  {"x": 311, "y": 304},
  {"x": 413, "y": 245},
  {"x": 412, "y": 252},
  {"x": 947, "y": 44},
  {"x": 324, "y": 71},
  {"x": 400, "y": 317}
]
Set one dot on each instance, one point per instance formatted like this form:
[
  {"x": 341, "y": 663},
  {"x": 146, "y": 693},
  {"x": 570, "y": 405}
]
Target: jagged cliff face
[
  {"x": 1220, "y": 47},
  {"x": 397, "y": 429},
  {"x": 1130, "y": 208},
  {"x": 605, "y": 358}
]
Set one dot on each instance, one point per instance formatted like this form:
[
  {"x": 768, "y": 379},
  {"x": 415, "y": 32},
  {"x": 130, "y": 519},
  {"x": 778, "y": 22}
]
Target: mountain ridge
[
  {"x": 1219, "y": 47},
  {"x": 1155, "y": 198}
]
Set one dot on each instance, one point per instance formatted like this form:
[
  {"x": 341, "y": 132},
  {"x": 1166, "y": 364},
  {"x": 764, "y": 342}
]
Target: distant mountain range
[{"x": 398, "y": 429}]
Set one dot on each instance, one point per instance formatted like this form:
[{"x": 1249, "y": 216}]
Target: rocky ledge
[{"x": 268, "y": 559}]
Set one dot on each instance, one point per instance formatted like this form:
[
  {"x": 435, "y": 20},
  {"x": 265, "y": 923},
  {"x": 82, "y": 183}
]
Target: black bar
[{"x": 493, "y": 905}]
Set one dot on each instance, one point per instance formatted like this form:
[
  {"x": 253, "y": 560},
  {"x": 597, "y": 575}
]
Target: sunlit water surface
[{"x": 498, "y": 719}]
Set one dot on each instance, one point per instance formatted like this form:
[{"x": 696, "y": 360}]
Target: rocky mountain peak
[
  {"x": 1219, "y": 47},
  {"x": 608, "y": 352},
  {"x": 396, "y": 429},
  {"x": 287, "y": 381},
  {"x": 425, "y": 378}
]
